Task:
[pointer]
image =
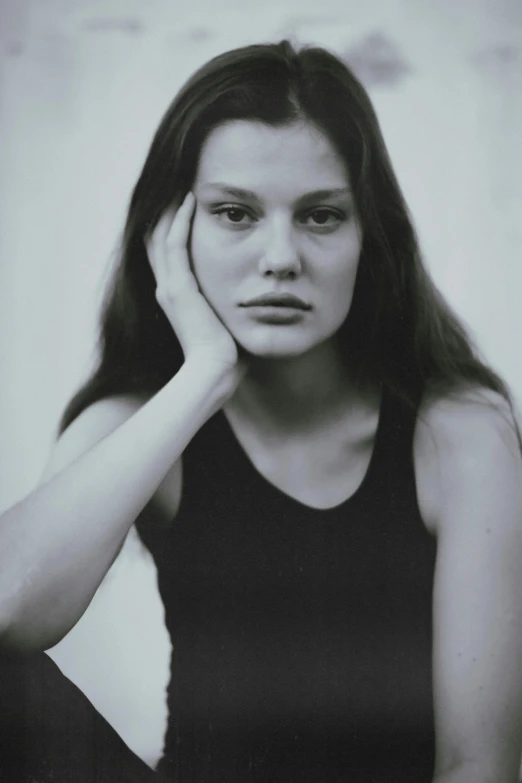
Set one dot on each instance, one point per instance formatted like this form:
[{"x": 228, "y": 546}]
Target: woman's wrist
[{"x": 210, "y": 380}]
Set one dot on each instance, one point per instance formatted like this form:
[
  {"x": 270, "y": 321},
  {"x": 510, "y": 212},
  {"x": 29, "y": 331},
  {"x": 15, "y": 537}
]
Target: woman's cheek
[
  {"x": 207, "y": 254},
  {"x": 202, "y": 242},
  {"x": 207, "y": 238}
]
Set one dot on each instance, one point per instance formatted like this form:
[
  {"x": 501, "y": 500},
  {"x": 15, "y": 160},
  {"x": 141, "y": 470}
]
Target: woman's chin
[{"x": 274, "y": 346}]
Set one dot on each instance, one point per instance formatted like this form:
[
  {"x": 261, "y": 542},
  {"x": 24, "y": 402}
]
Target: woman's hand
[{"x": 200, "y": 332}]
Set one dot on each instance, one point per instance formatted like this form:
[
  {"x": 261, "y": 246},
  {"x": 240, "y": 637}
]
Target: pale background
[{"x": 82, "y": 87}]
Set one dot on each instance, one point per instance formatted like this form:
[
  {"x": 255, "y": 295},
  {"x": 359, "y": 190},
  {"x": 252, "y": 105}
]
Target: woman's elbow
[{"x": 20, "y": 636}]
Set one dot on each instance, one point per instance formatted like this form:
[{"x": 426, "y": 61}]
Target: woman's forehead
[{"x": 254, "y": 156}]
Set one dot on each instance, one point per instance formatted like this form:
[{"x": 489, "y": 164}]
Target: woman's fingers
[
  {"x": 156, "y": 240},
  {"x": 167, "y": 247},
  {"x": 176, "y": 246},
  {"x": 179, "y": 229},
  {"x": 197, "y": 327}
]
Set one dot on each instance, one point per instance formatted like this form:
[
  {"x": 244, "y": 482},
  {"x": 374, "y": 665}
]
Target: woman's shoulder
[{"x": 466, "y": 443}]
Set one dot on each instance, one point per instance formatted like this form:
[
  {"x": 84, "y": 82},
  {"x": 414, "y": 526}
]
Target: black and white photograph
[{"x": 261, "y": 391}]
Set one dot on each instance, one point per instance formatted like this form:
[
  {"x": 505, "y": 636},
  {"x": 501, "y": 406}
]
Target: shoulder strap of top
[{"x": 392, "y": 462}]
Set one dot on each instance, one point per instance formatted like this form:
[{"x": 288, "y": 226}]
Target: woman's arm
[
  {"x": 57, "y": 544},
  {"x": 469, "y": 476}
]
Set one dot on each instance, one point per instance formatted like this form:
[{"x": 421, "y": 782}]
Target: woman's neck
[{"x": 301, "y": 392}]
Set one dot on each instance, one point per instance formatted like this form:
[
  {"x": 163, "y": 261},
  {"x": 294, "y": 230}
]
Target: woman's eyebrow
[
  {"x": 230, "y": 190},
  {"x": 318, "y": 195},
  {"x": 243, "y": 193}
]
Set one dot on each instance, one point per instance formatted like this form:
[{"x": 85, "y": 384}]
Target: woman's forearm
[{"x": 57, "y": 544}]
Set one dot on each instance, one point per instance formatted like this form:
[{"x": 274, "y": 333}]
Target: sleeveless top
[{"x": 301, "y": 638}]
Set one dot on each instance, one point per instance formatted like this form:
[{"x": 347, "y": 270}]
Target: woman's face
[{"x": 276, "y": 240}]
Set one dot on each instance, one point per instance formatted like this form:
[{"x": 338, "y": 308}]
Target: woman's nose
[{"x": 281, "y": 255}]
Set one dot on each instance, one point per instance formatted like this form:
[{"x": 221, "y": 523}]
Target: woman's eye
[
  {"x": 324, "y": 218},
  {"x": 235, "y": 215}
]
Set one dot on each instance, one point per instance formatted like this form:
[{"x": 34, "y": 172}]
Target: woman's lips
[
  {"x": 277, "y": 308},
  {"x": 288, "y": 301}
]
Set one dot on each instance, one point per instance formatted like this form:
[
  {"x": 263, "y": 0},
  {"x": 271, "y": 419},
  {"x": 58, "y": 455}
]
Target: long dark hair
[{"x": 399, "y": 334}]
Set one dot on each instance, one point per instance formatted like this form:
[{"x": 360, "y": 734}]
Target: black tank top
[{"x": 301, "y": 638}]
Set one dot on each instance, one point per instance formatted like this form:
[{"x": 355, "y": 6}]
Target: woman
[{"x": 327, "y": 476}]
